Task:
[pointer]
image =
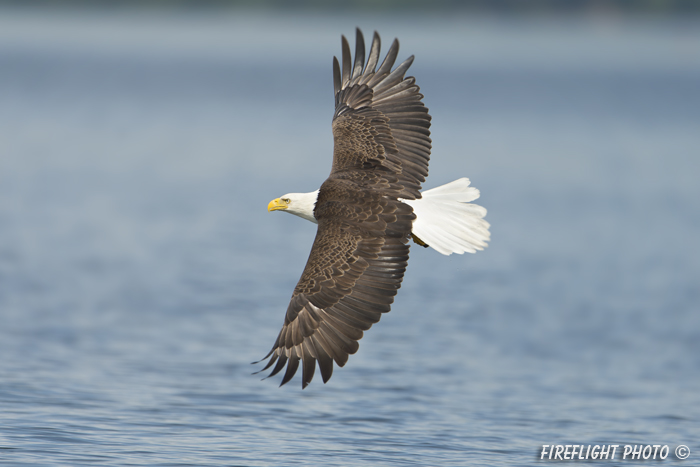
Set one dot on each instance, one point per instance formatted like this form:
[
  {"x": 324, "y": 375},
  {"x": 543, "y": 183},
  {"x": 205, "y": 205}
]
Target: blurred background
[{"x": 140, "y": 272}]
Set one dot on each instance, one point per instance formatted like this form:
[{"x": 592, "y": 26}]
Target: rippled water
[{"x": 140, "y": 273}]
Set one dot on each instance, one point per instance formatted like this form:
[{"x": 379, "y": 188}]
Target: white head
[{"x": 299, "y": 204}]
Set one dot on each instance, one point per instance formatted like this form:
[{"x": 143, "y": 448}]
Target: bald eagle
[{"x": 366, "y": 211}]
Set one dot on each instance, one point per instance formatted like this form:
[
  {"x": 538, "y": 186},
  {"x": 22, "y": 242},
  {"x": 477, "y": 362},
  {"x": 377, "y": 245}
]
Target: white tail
[{"x": 447, "y": 222}]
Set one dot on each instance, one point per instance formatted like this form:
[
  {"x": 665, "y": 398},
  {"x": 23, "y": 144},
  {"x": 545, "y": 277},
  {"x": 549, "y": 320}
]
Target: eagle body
[{"x": 367, "y": 210}]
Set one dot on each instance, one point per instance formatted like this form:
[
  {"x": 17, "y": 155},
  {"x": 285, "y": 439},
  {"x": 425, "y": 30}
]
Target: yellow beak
[{"x": 276, "y": 204}]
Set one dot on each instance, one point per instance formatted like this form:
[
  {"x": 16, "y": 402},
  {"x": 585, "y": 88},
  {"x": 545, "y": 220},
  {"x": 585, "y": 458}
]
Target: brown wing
[
  {"x": 380, "y": 107},
  {"x": 360, "y": 253}
]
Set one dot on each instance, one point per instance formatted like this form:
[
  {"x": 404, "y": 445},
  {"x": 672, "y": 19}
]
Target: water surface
[{"x": 140, "y": 273}]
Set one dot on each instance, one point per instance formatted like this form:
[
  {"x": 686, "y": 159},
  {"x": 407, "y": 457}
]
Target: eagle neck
[{"x": 304, "y": 204}]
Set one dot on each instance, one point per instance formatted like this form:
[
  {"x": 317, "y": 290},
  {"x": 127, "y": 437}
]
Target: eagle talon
[{"x": 418, "y": 241}]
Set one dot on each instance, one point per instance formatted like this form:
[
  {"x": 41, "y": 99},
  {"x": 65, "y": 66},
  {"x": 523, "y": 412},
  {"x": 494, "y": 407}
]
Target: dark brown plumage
[{"x": 381, "y": 151}]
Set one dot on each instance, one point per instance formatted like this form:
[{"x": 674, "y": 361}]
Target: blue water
[{"x": 140, "y": 273}]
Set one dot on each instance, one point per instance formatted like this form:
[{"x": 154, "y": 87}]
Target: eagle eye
[{"x": 286, "y": 200}]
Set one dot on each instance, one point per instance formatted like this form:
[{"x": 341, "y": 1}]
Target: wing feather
[
  {"x": 386, "y": 65},
  {"x": 395, "y": 76},
  {"x": 346, "y": 60},
  {"x": 325, "y": 362},
  {"x": 372, "y": 60},
  {"x": 359, "y": 56},
  {"x": 291, "y": 367},
  {"x": 280, "y": 364},
  {"x": 309, "y": 358},
  {"x": 337, "y": 80}
]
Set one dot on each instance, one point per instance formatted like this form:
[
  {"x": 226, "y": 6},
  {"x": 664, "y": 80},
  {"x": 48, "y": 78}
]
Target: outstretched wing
[
  {"x": 380, "y": 107},
  {"x": 359, "y": 256}
]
